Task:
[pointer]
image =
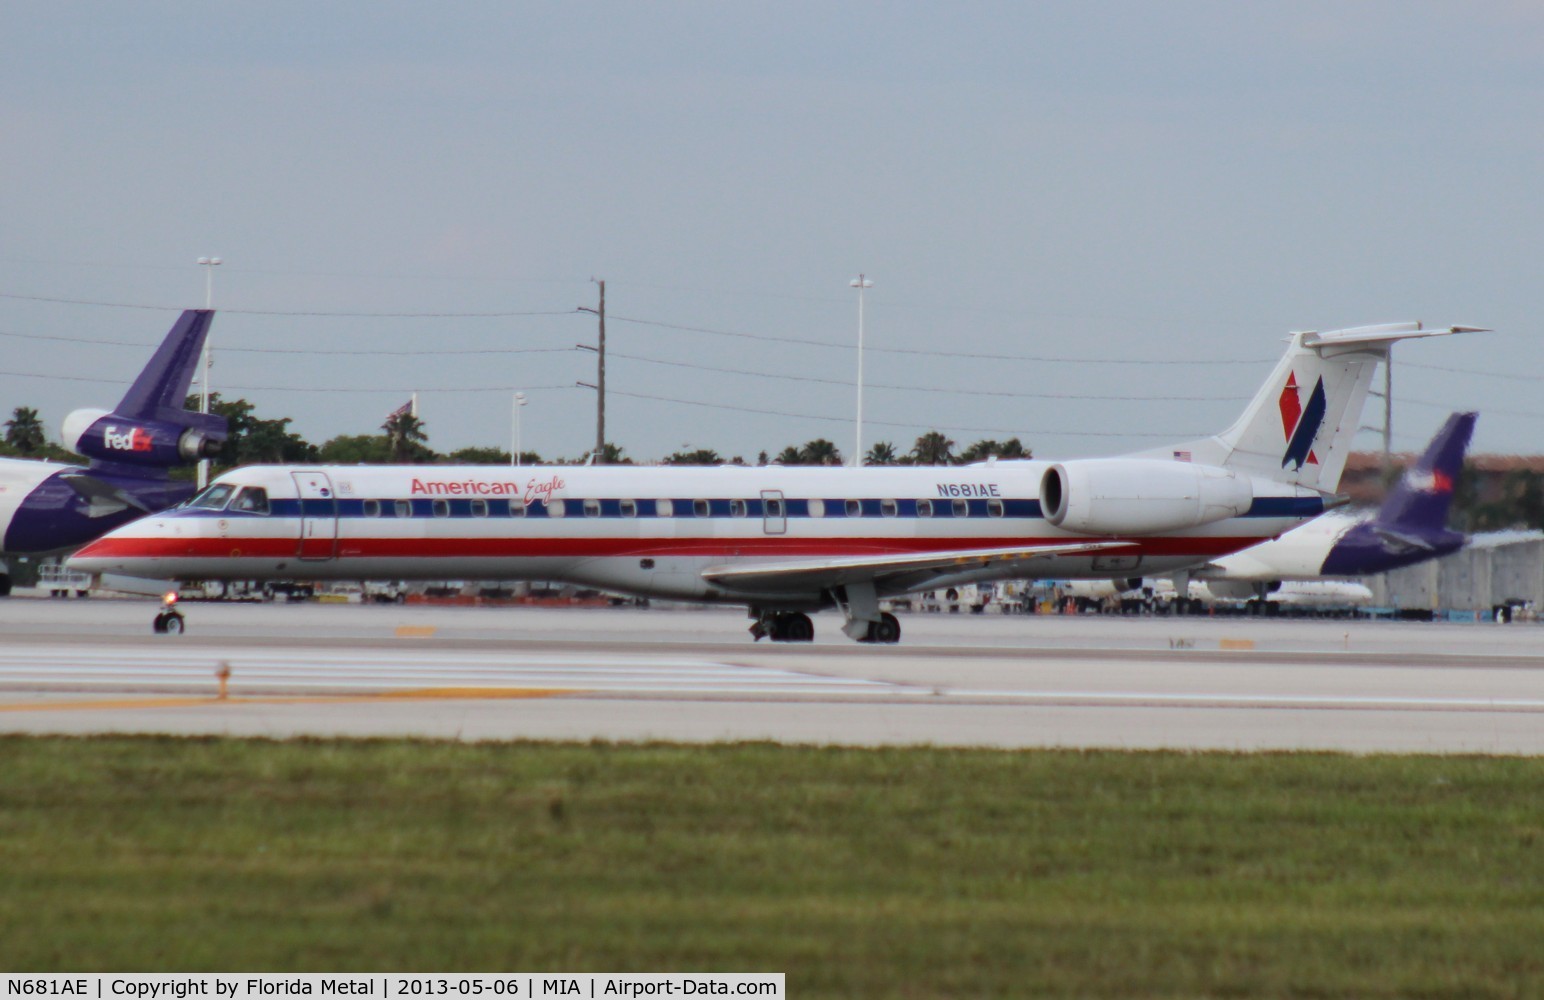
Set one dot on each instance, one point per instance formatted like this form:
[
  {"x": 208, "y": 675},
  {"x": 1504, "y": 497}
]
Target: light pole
[
  {"x": 860, "y": 283},
  {"x": 520, "y": 401},
  {"x": 208, "y": 264}
]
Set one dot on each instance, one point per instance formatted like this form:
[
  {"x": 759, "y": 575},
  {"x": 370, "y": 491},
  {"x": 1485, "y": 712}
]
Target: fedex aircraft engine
[
  {"x": 1123, "y": 496},
  {"x": 111, "y": 438}
]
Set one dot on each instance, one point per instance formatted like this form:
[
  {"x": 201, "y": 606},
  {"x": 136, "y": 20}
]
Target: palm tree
[
  {"x": 883, "y": 453},
  {"x": 697, "y": 456},
  {"x": 986, "y": 448},
  {"x": 24, "y": 431},
  {"x": 933, "y": 448},
  {"x": 405, "y": 436},
  {"x": 820, "y": 452},
  {"x": 789, "y": 456}
]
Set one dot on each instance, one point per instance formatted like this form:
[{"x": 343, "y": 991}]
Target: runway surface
[{"x": 88, "y": 666}]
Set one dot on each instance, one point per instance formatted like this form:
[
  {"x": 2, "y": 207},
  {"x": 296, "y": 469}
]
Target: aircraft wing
[
  {"x": 103, "y": 497},
  {"x": 890, "y": 573}
]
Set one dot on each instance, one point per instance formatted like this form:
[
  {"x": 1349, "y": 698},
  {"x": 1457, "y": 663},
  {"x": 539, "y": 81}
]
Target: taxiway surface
[{"x": 90, "y": 666}]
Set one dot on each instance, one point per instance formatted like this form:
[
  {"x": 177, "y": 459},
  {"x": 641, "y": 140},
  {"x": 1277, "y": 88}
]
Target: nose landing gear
[{"x": 169, "y": 621}]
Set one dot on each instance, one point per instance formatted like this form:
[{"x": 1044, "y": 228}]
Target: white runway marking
[
  {"x": 309, "y": 670},
  {"x": 1316, "y": 701}
]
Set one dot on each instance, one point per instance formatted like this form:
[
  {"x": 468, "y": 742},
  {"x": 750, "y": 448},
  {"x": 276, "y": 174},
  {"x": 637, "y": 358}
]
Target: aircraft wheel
[
  {"x": 168, "y": 623},
  {"x": 886, "y": 630},
  {"x": 799, "y": 628},
  {"x": 5, "y": 585}
]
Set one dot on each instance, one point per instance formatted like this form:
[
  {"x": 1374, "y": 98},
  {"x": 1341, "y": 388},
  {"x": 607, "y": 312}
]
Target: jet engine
[
  {"x": 113, "y": 438},
  {"x": 1138, "y": 496}
]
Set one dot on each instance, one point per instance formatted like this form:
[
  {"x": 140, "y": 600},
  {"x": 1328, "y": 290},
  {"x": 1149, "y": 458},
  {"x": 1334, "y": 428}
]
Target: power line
[
  {"x": 917, "y": 352},
  {"x": 844, "y": 383},
  {"x": 297, "y": 350},
  {"x": 297, "y": 312}
]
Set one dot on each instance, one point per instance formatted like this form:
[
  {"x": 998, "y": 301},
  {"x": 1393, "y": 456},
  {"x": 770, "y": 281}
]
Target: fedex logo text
[{"x": 133, "y": 439}]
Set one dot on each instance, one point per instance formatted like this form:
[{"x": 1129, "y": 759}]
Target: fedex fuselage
[
  {"x": 657, "y": 531},
  {"x": 43, "y": 507}
]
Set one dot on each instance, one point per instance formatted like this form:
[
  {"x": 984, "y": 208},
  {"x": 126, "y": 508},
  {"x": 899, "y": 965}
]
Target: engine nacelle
[
  {"x": 112, "y": 438},
  {"x": 1140, "y": 496}
]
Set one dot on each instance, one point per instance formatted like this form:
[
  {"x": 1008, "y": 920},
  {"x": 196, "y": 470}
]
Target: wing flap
[{"x": 915, "y": 568}]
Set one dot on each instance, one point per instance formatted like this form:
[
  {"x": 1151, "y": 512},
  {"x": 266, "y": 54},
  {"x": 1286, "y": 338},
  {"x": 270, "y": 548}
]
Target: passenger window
[
  {"x": 962, "y": 508},
  {"x": 994, "y": 508},
  {"x": 817, "y": 508},
  {"x": 252, "y": 500},
  {"x": 663, "y": 508},
  {"x": 517, "y": 508},
  {"x": 214, "y": 498},
  {"x": 889, "y": 508},
  {"x": 924, "y": 508},
  {"x": 774, "y": 507},
  {"x": 592, "y": 508},
  {"x": 737, "y": 508},
  {"x": 372, "y": 508},
  {"x": 700, "y": 508},
  {"x": 556, "y": 508},
  {"x": 442, "y": 508},
  {"x": 855, "y": 508},
  {"x": 479, "y": 508},
  {"x": 403, "y": 508},
  {"x": 629, "y": 508}
]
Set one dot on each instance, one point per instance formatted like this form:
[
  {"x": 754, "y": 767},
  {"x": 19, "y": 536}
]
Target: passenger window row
[{"x": 254, "y": 500}]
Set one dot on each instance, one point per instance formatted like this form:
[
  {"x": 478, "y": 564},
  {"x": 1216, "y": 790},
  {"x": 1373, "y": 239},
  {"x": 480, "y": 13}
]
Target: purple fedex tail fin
[
  {"x": 1411, "y": 526},
  {"x": 161, "y": 389},
  {"x": 1422, "y": 498},
  {"x": 150, "y": 431}
]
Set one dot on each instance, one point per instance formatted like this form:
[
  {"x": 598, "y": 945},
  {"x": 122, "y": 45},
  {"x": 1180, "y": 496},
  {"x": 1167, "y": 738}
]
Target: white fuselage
[{"x": 653, "y": 531}]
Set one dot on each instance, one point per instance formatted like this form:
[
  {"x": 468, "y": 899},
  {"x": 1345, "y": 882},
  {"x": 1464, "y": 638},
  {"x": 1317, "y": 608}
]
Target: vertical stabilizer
[
  {"x": 162, "y": 388},
  {"x": 1423, "y": 497},
  {"x": 150, "y": 430},
  {"x": 1299, "y": 426}
]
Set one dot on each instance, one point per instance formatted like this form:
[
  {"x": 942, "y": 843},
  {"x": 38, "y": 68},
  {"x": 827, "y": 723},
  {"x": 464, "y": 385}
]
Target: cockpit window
[
  {"x": 251, "y": 500},
  {"x": 214, "y": 498}
]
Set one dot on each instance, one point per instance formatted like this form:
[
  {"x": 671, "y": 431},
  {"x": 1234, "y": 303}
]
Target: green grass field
[{"x": 869, "y": 873}]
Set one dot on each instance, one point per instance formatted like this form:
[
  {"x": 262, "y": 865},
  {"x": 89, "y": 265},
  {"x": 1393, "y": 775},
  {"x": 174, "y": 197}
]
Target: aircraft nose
[{"x": 112, "y": 553}]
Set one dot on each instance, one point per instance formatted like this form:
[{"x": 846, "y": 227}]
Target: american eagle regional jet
[{"x": 786, "y": 541}]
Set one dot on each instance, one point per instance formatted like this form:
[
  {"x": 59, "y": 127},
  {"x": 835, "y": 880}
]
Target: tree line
[{"x": 404, "y": 439}]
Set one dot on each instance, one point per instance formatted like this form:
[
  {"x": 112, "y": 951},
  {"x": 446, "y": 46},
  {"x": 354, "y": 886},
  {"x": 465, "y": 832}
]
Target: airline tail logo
[
  {"x": 1435, "y": 481},
  {"x": 1300, "y": 424},
  {"x": 134, "y": 439}
]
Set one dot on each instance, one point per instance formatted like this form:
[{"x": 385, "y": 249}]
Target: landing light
[{"x": 170, "y": 598}]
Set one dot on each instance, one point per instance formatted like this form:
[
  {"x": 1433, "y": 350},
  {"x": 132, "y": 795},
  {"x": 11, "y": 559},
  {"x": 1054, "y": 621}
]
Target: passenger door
[
  {"x": 774, "y": 512},
  {"x": 318, "y": 515}
]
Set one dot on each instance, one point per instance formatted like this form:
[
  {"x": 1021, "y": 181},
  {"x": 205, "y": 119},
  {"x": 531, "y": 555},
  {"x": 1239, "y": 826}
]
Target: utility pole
[
  {"x": 208, "y": 264},
  {"x": 600, "y": 379},
  {"x": 860, "y": 283}
]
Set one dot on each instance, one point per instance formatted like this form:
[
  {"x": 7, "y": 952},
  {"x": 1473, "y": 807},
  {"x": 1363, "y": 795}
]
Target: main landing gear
[
  {"x": 169, "y": 621},
  {"x": 865, "y": 622},
  {"x": 783, "y": 626},
  {"x": 887, "y": 629}
]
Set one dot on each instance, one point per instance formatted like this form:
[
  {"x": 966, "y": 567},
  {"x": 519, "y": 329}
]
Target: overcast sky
[{"x": 1105, "y": 198}]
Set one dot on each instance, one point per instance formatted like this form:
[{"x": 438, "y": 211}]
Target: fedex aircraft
[
  {"x": 46, "y": 507},
  {"x": 786, "y": 541}
]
